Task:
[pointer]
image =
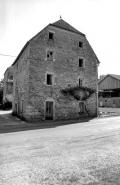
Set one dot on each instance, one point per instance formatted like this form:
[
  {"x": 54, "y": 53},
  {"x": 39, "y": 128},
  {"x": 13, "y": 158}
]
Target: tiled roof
[{"x": 64, "y": 25}]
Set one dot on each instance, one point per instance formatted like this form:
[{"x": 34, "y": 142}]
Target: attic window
[
  {"x": 51, "y": 35},
  {"x": 81, "y": 62},
  {"x": 80, "y": 44}
]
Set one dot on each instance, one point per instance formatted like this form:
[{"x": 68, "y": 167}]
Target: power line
[{"x": 7, "y": 55}]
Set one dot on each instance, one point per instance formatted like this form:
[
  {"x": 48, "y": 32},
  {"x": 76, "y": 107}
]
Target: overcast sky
[{"x": 99, "y": 20}]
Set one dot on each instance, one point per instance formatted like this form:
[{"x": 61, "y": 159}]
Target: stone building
[
  {"x": 8, "y": 86},
  {"x": 57, "y": 57}
]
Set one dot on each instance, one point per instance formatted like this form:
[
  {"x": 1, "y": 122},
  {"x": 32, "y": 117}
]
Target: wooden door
[{"x": 49, "y": 110}]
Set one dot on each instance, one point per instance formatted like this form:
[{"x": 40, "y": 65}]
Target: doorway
[{"x": 49, "y": 110}]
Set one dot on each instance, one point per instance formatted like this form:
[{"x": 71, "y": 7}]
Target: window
[
  {"x": 82, "y": 107},
  {"x": 10, "y": 77},
  {"x": 51, "y": 35},
  {"x": 50, "y": 55},
  {"x": 80, "y": 44},
  {"x": 49, "y": 79},
  {"x": 81, "y": 62},
  {"x": 80, "y": 82}
]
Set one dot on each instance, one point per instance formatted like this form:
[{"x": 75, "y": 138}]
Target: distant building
[
  {"x": 1, "y": 93},
  {"x": 8, "y": 86},
  {"x": 57, "y": 57},
  {"x": 109, "y": 91}
]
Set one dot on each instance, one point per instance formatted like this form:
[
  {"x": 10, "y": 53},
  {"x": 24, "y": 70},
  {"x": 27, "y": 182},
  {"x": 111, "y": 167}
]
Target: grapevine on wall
[{"x": 78, "y": 92}]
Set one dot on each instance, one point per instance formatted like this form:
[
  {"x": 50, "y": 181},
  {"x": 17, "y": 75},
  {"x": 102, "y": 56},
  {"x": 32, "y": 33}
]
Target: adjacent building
[
  {"x": 109, "y": 91},
  {"x": 57, "y": 57},
  {"x": 8, "y": 86}
]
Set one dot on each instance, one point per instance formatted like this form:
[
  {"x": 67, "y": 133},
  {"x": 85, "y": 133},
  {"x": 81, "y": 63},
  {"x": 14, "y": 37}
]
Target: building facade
[
  {"x": 8, "y": 86},
  {"x": 109, "y": 91},
  {"x": 57, "y": 57}
]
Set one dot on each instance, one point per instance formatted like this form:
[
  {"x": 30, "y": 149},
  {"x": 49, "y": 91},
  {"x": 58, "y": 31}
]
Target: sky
[{"x": 99, "y": 20}]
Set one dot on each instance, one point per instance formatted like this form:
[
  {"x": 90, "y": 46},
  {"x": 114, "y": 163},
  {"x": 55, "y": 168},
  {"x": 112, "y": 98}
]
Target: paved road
[{"x": 81, "y": 153}]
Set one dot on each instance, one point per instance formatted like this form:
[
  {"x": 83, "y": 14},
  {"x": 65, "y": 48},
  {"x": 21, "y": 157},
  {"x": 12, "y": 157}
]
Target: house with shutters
[{"x": 56, "y": 58}]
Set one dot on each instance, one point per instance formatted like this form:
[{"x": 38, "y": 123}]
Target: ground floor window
[{"x": 81, "y": 107}]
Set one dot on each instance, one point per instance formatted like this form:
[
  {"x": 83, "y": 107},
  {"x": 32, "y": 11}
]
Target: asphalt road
[{"x": 83, "y": 153}]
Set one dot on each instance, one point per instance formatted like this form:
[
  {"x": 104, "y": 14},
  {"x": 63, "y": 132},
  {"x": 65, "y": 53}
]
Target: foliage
[{"x": 78, "y": 92}]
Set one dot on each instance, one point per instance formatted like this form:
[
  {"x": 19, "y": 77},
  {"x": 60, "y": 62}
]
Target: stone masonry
[{"x": 33, "y": 67}]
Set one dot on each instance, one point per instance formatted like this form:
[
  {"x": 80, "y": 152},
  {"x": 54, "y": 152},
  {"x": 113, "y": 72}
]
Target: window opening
[
  {"x": 10, "y": 77},
  {"x": 81, "y": 63},
  {"x": 49, "y": 55},
  {"x": 49, "y": 79},
  {"x": 51, "y": 35},
  {"x": 80, "y": 82},
  {"x": 82, "y": 107},
  {"x": 80, "y": 44}
]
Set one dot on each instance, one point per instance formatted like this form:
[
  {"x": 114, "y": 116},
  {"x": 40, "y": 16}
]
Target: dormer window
[
  {"x": 51, "y": 35},
  {"x": 81, "y": 62},
  {"x": 80, "y": 44}
]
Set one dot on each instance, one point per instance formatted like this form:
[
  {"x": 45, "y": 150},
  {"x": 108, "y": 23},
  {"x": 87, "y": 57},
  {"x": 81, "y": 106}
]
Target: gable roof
[
  {"x": 64, "y": 25},
  {"x": 112, "y": 75},
  {"x": 115, "y": 76},
  {"x": 59, "y": 24}
]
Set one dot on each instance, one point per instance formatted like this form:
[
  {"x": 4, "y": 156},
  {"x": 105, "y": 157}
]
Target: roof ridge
[{"x": 66, "y": 26}]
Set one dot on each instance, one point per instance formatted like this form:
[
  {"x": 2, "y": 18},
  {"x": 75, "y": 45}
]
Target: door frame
[
  {"x": 22, "y": 107},
  {"x": 49, "y": 100},
  {"x": 16, "y": 108}
]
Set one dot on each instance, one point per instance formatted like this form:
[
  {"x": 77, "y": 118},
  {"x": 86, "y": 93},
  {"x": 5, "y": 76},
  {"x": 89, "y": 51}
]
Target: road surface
[{"x": 84, "y": 153}]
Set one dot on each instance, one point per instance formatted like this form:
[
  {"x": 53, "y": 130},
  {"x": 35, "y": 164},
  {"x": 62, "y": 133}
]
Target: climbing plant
[{"x": 78, "y": 92}]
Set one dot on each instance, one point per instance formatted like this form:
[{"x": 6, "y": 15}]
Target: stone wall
[{"x": 21, "y": 84}]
